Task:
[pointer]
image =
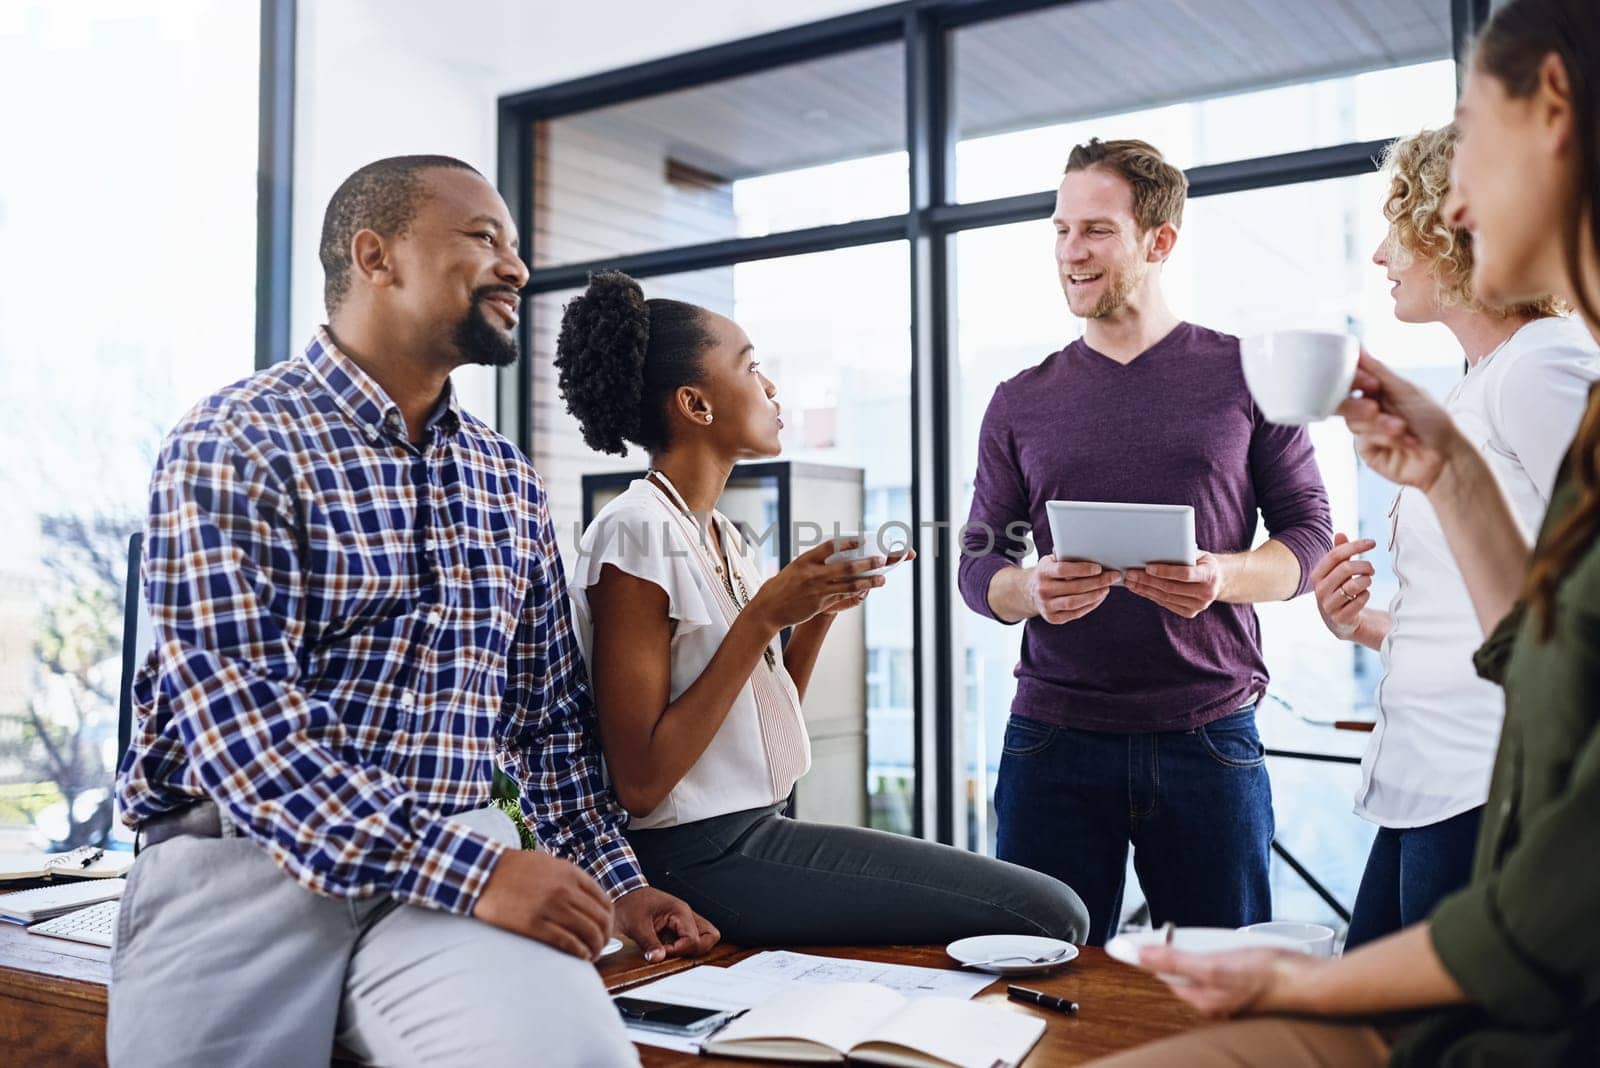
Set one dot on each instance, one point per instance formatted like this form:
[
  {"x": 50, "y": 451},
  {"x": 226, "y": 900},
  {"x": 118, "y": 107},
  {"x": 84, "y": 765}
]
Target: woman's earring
[{"x": 708, "y": 418}]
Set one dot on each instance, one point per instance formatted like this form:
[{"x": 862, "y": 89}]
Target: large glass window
[
  {"x": 1205, "y": 83},
  {"x": 1208, "y": 84},
  {"x": 127, "y": 291},
  {"x": 801, "y": 145}
]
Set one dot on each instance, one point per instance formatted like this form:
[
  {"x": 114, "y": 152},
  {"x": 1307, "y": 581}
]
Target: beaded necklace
[{"x": 725, "y": 570}]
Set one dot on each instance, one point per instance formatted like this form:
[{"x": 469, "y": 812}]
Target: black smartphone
[{"x": 674, "y": 1019}]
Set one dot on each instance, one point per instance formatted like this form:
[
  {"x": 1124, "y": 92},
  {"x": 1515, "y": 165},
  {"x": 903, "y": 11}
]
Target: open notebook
[
  {"x": 86, "y": 862},
  {"x": 875, "y": 1025}
]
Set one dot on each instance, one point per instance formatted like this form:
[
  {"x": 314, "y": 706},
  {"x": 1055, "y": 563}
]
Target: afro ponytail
[{"x": 620, "y": 357}]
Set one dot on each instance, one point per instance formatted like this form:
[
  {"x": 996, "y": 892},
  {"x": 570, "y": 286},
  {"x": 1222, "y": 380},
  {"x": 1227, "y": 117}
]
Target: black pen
[{"x": 1039, "y": 997}]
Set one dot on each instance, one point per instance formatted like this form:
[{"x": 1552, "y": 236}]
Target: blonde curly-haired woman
[{"x": 1426, "y": 771}]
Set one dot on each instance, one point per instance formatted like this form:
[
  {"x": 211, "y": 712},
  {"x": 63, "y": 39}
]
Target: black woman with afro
[{"x": 698, "y": 700}]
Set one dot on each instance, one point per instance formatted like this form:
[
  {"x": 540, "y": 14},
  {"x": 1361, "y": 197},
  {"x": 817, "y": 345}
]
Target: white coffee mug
[
  {"x": 1312, "y": 938},
  {"x": 1299, "y": 376}
]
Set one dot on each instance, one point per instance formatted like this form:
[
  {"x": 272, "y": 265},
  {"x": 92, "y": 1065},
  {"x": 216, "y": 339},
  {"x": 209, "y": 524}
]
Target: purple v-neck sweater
[{"x": 1174, "y": 426}]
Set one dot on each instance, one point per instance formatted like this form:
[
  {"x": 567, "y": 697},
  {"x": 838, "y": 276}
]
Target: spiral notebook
[
  {"x": 43, "y": 902},
  {"x": 87, "y": 862}
]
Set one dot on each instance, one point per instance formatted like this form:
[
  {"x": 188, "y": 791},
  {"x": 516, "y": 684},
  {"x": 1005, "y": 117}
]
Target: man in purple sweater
[{"x": 1134, "y": 717}]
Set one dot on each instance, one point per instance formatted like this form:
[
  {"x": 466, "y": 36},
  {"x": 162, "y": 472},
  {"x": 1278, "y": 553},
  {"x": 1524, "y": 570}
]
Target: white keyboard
[{"x": 96, "y": 925}]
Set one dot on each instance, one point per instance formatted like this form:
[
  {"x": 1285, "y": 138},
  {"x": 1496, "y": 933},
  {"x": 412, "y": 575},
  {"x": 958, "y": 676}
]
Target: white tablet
[{"x": 1120, "y": 536}]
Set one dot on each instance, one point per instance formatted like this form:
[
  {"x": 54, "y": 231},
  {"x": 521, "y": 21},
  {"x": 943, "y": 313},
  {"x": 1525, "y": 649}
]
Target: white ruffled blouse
[{"x": 761, "y": 749}]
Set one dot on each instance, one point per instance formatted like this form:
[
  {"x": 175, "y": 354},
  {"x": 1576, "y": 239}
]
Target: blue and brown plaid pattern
[{"x": 350, "y": 629}]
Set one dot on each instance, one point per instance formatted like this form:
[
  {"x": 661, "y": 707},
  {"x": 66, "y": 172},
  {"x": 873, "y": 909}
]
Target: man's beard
[
  {"x": 479, "y": 341},
  {"x": 1120, "y": 285}
]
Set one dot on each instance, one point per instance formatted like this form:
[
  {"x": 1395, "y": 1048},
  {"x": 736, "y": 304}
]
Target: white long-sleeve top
[{"x": 1432, "y": 752}]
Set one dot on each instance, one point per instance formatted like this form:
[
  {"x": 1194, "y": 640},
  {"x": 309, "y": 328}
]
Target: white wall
[{"x": 379, "y": 78}]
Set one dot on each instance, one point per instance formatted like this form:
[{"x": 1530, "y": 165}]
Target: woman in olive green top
[{"x": 1507, "y": 971}]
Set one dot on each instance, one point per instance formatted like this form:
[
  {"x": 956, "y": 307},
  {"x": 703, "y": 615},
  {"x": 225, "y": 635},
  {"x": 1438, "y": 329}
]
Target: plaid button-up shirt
[{"x": 350, "y": 629}]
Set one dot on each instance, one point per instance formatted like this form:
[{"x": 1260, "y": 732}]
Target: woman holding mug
[{"x": 699, "y": 702}]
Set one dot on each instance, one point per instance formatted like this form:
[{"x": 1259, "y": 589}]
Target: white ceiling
[{"x": 523, "y": 44}]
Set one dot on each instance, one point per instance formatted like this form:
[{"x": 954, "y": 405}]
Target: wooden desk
[{"x": 53, "y": 1000}]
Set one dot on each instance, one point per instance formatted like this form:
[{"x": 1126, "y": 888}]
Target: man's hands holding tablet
[
  {"x": 1132, "y": 540},
  {"x": 1186, "y": 589},
  {"x": 1060, "y": 591}
]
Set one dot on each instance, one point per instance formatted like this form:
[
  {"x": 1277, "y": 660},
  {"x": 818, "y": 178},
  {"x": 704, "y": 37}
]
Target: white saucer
[
  {"x": 1125, "y": 947},
  {"x": 612, "y": 945},
  {"x": 995, "y": 947}
]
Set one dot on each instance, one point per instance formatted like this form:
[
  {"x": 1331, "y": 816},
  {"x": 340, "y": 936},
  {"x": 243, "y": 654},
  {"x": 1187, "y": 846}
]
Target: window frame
[{"x": 924, "y": 28}]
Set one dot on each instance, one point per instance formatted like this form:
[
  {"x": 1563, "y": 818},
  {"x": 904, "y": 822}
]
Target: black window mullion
[
  {"x": 514, "y": 174},
  {"x": 275, "y": 181},
  {"x": 929, "y": 142},
  {"x": 724, "y": 253},
  {"x": 1288, "y": 168},
  {"x": 1237, "y": 176}
]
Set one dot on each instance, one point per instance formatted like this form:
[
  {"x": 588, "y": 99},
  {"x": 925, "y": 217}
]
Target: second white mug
[{"x": 1299, "y": 376}]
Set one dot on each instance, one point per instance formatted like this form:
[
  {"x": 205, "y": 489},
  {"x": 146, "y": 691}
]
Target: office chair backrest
[{"x": 138, "y": 638}]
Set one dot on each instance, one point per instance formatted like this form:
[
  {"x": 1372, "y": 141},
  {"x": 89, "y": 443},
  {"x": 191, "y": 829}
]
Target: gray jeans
[
  {"x": 222, "y": 959},
  {"x": 765, "y": 879}
]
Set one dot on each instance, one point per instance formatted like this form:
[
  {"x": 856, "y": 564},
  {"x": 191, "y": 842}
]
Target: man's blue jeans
[{"x": 1196, "y": 806}]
